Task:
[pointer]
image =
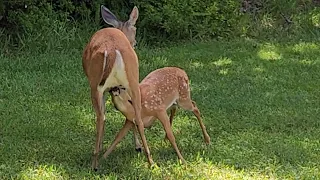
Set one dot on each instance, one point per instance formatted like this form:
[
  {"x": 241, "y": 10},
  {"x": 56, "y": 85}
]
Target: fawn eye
[{"x": 130, "y": 101}]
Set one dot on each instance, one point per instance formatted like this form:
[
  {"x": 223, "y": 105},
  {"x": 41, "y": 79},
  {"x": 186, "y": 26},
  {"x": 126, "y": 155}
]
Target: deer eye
[{"x": 130, "y": 101}]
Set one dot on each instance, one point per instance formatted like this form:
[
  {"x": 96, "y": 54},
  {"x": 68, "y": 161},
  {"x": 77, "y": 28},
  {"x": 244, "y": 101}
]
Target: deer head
[{"x": 127, "y": 27}]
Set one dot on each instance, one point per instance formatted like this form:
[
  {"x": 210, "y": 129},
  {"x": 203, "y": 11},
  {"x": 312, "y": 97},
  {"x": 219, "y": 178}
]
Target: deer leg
[
  {"x": 136, "y": 139},
  {"x": 173, "y": 110},
  {"x": 104, "y": 118},
  {"x": 196, "y": 112},
  {"x": 190, "y": 105},
  {"x": 97, "y": 102},
  {"x": 136, "y": 102},
  {"x": 172, "y": 113},
  {"x": 164, "y": 119},
  {"x": 123, "y": 132}
]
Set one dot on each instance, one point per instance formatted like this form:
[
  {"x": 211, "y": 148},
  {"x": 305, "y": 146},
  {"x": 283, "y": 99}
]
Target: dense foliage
[{"x": 36, "y": 22}]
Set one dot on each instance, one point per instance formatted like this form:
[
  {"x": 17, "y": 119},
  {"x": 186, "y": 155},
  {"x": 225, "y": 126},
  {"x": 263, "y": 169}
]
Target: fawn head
[
  {"x": 127, "y": 27},
  {"x": 122, "y": 101}
]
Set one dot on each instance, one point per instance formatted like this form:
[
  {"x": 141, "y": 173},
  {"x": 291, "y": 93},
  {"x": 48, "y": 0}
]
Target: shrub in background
[
  {"x": 265, "y": 18},
  {"x": 187, "y": 19},
  {"x": 65, "y": 24},
  {"x": 43, "y": 25},
  {"x": 42, "y": 21}
]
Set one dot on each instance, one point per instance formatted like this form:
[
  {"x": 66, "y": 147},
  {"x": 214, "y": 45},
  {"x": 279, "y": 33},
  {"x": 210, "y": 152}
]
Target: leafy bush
[
  {"x": 42, "y": 24},
  {"x": 278, "y": 17},
  {"x": 181, "y": 19},
  {"x": 46, "y": 24}
]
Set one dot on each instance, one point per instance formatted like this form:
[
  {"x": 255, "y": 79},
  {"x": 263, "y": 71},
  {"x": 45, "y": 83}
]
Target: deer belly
[{"x": 148, "y": 121}]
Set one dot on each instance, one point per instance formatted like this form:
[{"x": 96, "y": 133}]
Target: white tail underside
[{"x": 118, "y": 75}]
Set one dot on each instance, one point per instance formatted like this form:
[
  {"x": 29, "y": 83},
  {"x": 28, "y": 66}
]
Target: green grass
[{"x": 260, "y": 102}]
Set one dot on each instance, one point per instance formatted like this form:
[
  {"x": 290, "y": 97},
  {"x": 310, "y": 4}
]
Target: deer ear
[
  {"x": 134, "y": 16},
  {"x": 109, "y": 17}
]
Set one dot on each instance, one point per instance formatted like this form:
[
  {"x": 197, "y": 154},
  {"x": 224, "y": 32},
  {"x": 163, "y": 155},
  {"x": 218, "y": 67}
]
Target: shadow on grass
[{"x": 42, "y": 117}]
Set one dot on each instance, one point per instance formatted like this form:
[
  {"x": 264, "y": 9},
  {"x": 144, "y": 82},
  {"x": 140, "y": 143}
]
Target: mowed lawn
[{"x": 260, "y": 102}]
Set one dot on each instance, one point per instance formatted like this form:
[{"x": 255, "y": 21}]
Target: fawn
[{"x": 160, "y": 90}]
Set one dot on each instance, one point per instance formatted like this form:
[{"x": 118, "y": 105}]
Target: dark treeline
[{"x": 159, "y": 20}]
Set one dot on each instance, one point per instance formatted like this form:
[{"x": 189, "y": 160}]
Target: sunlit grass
[
  {"x": 222, "y": 62},
  {"x": 269, "y": 52},
  {"x": 196, "y": 64},
  {"x": 304, "y": 47},
  {"x": 43, "y": 172},
  {"x": 315, "y": 17},
  {"x": 259, "y": 101}
]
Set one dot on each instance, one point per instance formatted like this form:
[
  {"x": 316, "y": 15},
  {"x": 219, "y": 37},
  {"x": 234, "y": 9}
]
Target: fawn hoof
[
  {"x": 94, "y": 168},
  {"x": 94, "y": 165},
  {"x": 152, "y": 163},
  {"x": 166, "y": 138},
  {"x": 153, "y": 166},
  {"x": 139, "y": 149},
  {"x": 207, "y": 140},
  {"x": 182, "y": 161}
]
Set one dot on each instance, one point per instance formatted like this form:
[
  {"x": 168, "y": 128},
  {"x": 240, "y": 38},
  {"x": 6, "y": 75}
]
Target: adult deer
[
  {"x": 109, "y": 60},
  {"x": 160, "y": 90}
]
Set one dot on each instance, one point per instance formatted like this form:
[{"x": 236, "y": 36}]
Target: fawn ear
[
  {"x": 134, "y": 16},
  {"x": 109, "y": 17}
]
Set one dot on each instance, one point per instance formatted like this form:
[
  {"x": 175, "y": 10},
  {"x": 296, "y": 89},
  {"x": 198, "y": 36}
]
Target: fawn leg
[
  {"x": 173, "y": 110},
  {"x": 196, "y": 112},
  {"x": 172, "y": 113},
  {"x": 136, "y": 102},
  {"x": 123, "y": 132},
  {"x": 164, "y": 119},
  {"x": 190, "y": 105},
  {"x": 136, "y": 139}
]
